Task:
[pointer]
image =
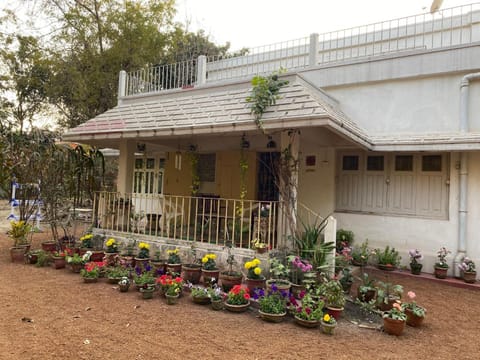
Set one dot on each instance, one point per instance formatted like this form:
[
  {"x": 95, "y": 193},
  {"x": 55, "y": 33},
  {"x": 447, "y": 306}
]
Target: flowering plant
[
  {"x": 173, "y": 257},
  {"x": 467, "y": 265},
  {"x": 298, "y": 266},
  {"x": 59, "y": 254},
  {"x": 92, "y": 269},
  {"x": 208, "y": 262},
  {"x": 442, "y": 255},
  {"x": 74, "y": 259},
  {"x": 111, "y": 245},
  {"x": 254, "y": 271},
  {"x": 198, "y": 291},
  {"x": 327, "y": 319},
  {"x": 415, "y": 256},
  {"x": 238, "y": 295},
  {"x": 87, "y": 241},
  {"x": 257, "y": 244},
  {"x": 124, "y": 281},
  {"x": 19, "y": 231},
  {"x": 170, "y": 286},
  {"x": 215, "y": 292},
  {"x": 309, "y": 309},
  {"x": 396, "y": 313},
  {"x": 143, "y": 275},
  {"x": 271, "y": 302},
  {"x": 412, "y": 305},
  {"x": 144, "y": 250}
]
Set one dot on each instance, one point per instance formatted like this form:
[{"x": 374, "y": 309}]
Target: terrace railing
[{"x": 446, "y": 28}]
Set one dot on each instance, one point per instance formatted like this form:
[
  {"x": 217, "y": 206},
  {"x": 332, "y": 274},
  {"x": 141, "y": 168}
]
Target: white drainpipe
[{"x": 463, "y": 175}]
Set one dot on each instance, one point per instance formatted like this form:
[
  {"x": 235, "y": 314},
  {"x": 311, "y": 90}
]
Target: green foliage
[
  {"x": 264, "y": 94},
  {"x": 360, "y": 254},
  {"x": 333, "y": 292},
  {"x": 388, "y": 256},
  {"x": 387, "y": 291},
  {"x": 272, "y": 302},
  {"x": 344, "y": 238}
]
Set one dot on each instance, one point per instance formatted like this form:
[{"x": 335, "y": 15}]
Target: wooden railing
[{"x": 206, "y": 219}]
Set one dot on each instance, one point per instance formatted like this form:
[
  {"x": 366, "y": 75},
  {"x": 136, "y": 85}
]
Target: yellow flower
[
  {"x": 143, "y": 245},
  {"x": 204, "y": 259},
  {"x": 256, "y": 262},
  {"x": 257, "y": 271},
  {"x": 110, "y": 242},
  {"x": 326, "y": 318},
  {"x": 248, "y": 265},
  {"x": 212, "y": 256},
  {"x": 170, "y": 252}
]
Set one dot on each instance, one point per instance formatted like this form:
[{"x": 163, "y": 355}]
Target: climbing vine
[
  {"x": 243, "y": 180},
  {"x": 193, "y": 157},
  {"x": 264, "y": 94}
]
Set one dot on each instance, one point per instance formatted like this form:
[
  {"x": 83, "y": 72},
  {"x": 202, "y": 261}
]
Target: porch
[{"x": 206, "y": 219}]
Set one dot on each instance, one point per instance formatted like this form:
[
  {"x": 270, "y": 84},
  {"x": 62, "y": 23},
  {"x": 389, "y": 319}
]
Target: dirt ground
[{"x": 73, "y": 320}]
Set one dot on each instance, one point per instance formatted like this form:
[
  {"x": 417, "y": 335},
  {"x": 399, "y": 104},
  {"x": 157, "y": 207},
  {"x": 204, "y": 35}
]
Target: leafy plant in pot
[
  {"x": 334, "y": 297},
  {"x": 271, "y": 303},
  {"x": 388, "y": 258},
  {"x": 360, "y": 254},
  {"x": 415, "y": 314},
  {"x": 230, "y": 277},
  {"x": 441, "y": 266},
  {"x": 415, "y": 257},
  {"x": 468, "y": 270},
  {"x": 394, "y": 320},
  {"x": 388, "y": 294},
  {"x": 255, "y": 278},
  {"x": 210, "y": 271},
  {"x": 19, "y": 232},
  {"x": 366, "y": 290},
  {"x": 192, "y": 271}
]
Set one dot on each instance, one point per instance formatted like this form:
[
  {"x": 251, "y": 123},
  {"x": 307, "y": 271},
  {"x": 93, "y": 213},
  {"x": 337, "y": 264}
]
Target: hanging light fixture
[{"x": 271, "y": 144}]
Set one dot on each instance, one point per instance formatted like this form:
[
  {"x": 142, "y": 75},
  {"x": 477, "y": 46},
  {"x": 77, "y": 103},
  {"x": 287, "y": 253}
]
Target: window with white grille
[{"x": 148, "y": 175}]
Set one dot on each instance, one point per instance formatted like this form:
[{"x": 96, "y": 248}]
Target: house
[{"x": 381, "y": 118}]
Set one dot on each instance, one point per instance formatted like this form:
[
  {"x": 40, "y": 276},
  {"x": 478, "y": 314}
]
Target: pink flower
[
  {"x": 411, "y": 295},
  {"x": 397, "y": 306}
]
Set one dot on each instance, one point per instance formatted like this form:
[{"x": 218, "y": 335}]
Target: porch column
[
  {"x": 125, "y": 166},
  {"x": 289, "y": 145}
]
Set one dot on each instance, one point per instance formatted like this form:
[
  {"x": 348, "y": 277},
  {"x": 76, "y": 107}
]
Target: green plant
[
  {"x": 396, "y": 313},
  {"x": 360, "y": 254},
  {"x": 467, "y": 265},
  {"x": 209, "y": 262},
  {"x": 327, "y": 319},
  {"x": 43, "y": 258},
  {"x": 129, "y": 248},
  {"x": 271, "y": 302},
  {"x": 298, "y": 268},
  {"x": 412, "y": 305},
  {"x": 367, "y": 284},
  {"x": 116, "y": 272},
  {"x": 215, "y": 293},
  {"x": 86, "y": 241},
  {"x": 198, "y": 291},
  {"x": 92, "y": 270},
  {"x": 144, "y": 250},
  {"x": 309, "y": 309},
  {"x": 278, "y": 269},
  {"x": 74, "y": 259},
  {"x": 387, "y": 292},
  {"x": 231, "y": 262},
  {"x": 333, "y": 292},
  {"x": 344, "y": 238},
  {"x": 111, "y": 245},
  {"x": 346, "y": 279},
  {"x": 19, "y": 231},
  {"x": 264, "y": 93},
  {"x": 388, "y": 256},
  {"x": 415, "y": 256},
  {"x": 238, "y": 295},
  {"x": 442, "y": 254},
  {"x": 173, "y": 256},
  {"x": 170, "y": 286},
  {"x": 253, "y": 269},
  {"x": 97, "y": 242},
  {"x": 143, "y": 278}
]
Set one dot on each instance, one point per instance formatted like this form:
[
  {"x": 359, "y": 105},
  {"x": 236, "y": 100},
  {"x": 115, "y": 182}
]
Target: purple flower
[
  {"x": 274, "y": 287},
  {"x": 138, "y": 271}
]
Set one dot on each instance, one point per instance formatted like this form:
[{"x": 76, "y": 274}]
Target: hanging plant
[{"x": 264, "y": 94}]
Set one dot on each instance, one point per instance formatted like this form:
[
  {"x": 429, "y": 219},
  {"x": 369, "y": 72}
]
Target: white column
[
  {"x": 125, "y": 166},
  {"x": 202, "y": 70},
  {"x": 313, "y": 52},
  {"x": 122, "y": 86}
]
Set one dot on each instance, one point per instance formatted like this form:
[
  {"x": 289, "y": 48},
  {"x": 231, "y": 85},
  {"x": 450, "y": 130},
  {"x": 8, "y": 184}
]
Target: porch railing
[
  {"x": 205, "y": 219},
  {"x": 450, "y": 27}
]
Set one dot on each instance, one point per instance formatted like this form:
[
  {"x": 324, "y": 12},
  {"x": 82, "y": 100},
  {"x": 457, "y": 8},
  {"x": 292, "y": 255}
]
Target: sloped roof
[{"x": 218, "y": 110}]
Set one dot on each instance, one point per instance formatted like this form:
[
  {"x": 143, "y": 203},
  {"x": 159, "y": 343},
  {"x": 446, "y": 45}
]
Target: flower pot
[
  {"x": 49, "y": 246},
  {"x": 275, "y": 318},
  {"x": 172, "y": 299},
  {"x": 192, "y": 273},
  {"x": 208, "y": 275},
  {"x": 335, "y": 312},
  {"x": 217, "y": 305},
  {"x": 237, "y": 308},
  {"x": 253, "y": 284},
  {"x": 306, "y": 323},
  {"x": 327, "y": 328},
  {"x": 88, "y": 280},
  {"x": 386, "y": 267},
  {"x": 388, "y": 305},
  {"x": 174, "y": 269},
  {"x": 97, "y": 256},
  {"x": 123, "y": 288},
  {"x": 261, "y": 250},
  {"x": 416, "y": 268},
  {"x": 111, "y": 258},
  {"x": 230, "y": 279},
  {"x": 58, "y": 262},
  {"x": 17, "y": 253},
  {"x": 141, "y": 262},
  {"x": 368, "y": 296},
  {"x": 441, "y": 272},
  {"x": 160, "y": 266},
  {"x": 201, "y": 300},
  {"x": 76, "y": 268},
  {"x": 412, "y": 319},
  {"x": 147, "y": 293},
  {"x": 113, "y": 280},
  {"x": 358, "y": 263},
  {"x": 297, "y": 289},
  {"x": 393, "y": 326},
  {"x": 281, "y": 284},
  {"x": 470, "y": 276}
]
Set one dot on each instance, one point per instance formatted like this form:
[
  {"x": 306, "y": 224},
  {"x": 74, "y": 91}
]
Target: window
[
  {"x": 206, "y": 167},
  {"x": 148, "y": 175},
  {"x": 406, "y": 184}
]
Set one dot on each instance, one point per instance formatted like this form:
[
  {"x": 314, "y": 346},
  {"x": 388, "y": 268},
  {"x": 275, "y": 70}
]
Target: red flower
[
  {"x": 246, "y": 296},
  {"x": 178, "y": 280},
  {"x": 308, "y": 310}
]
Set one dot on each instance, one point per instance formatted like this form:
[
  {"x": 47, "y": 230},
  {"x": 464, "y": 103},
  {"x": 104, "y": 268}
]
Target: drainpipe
[{"x": 463, "y": 175}]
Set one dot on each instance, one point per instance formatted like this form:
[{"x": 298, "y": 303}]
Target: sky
[{"x": 252, "y": 23}]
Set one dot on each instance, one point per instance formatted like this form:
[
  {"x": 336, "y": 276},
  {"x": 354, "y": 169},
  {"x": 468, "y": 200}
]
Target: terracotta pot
[
  {"x": 208, "y": 275},
  {"x": 49, "y": 246},
  {"x": 253, "y": 284},
  {"x": 440, "y": 272},
  {"x": 261, "y": 250},
  {"x": 229, "y": 280},
  {"x": 58, "y": 262},
  {"x": 160, "y": 266},
  {"x": 306, "y": 323},
  {"x": 416, "y": 268},
  {"x": 282, "y": 285},
  {"x": 275, "y": 318},
  {"x": 393, "y": 327},
  {"x": 389, "y": 305},
  {"x": 174, "y": 269},
  {"x": 328, "y": 329},
  {"x": 201, "y": 300},
  {"x": 412, "y": 319},
  {"x": 76, "y": 268},
  {"x": 470, "y": 276},
  {"x": 90, "y": 280},
  {"x": 217, "y": 305},
  {"x": 192, "y": 273},
  {"x": 237, "y": 308},
  {"x": 17, "y": 253},
  {"x": 335, "y": 312},
  {"x": 388, "y": 267}
]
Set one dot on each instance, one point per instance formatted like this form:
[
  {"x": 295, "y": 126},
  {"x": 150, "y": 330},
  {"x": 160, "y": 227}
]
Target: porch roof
[{"x": 217, "y": 109}]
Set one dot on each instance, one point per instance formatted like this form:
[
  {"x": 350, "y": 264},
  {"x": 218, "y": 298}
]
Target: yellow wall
[
  {"x": 177, "y": 182},
  {"x": 227, "y": 174}
]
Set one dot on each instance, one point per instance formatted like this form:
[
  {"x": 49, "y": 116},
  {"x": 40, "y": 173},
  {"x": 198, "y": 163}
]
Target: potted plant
[
  {"x": 344, "y": 238},
  {"x": 111, "y": 246},
  {"x": 128, "y": 255},
  {"x": 41, "y": 257},
  {"x": 468, "y": 271},
  {"x": 58, "y": 259},
  {"x": 19, "y": 231},
  {"x": 334, "y": 297},
  {"x": 230, "y": 277},
  {"x": 394, "y": 320},
  {"x": 147, "y": 291},
  {"x": 360, "y": 254},
  {"x": 210, "y": 270},
  {"x": 174, "y": 263},
  {"x": 143, "y": 277},
  {"x": 199, "y": 294},
  {"x": 192, "y": 271},
  {"x": 309, "y": 312},
  {"x": 328, "y": 324},
  {"x": 171, "y": 287},
  {"x": 254, "y": 278},
  {"x": 124, "y": 284},
  {"x": 346, "y": 280},
  {"x": 298, "y": 268},
  {"x": 76, "y": 262},
  {"x": 259, "y": 246},
  {"x": 91, "y": 272},
  {"x": 271, "y": 303},
  {"x": 237, "y": 299},
  {"x": 159, "y": 263},
  {"x": 415, "y": 314},
  {"x": 115, "y": 273},
  {"x": 31, "y": 256},
  {"x": 366, "y": 290},
  {"x": 441, "y": 266},
  {"x": 388, "y": 258},
  {"x": 415, "y": 257},
  {"x": 143, "y": 255},
  {"x": 216, "y": 296},
  {"x": 387, "y": 295},
  {"x": 86, "y": 242}
]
